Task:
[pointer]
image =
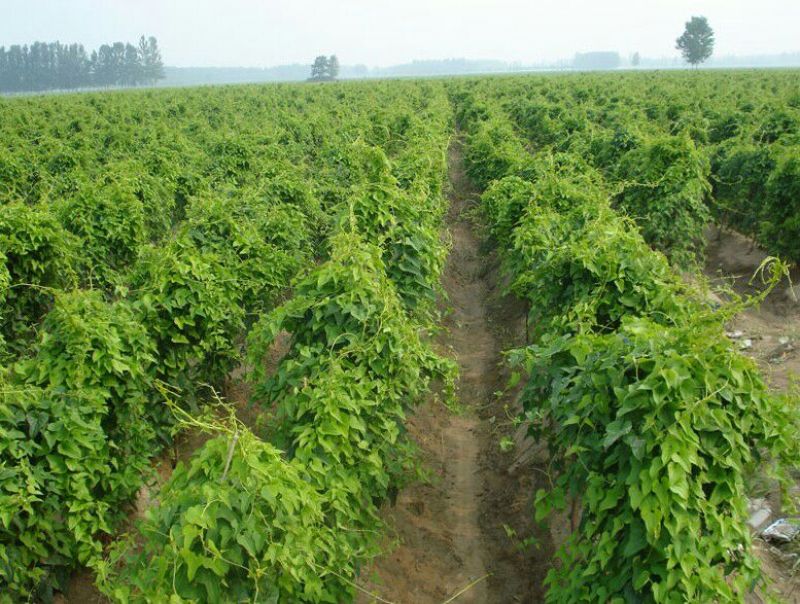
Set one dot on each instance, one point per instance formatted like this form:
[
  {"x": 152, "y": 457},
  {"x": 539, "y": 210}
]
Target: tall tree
[
  {"x": 636, "y": 59},
  {"x": 132, "y": 67},
  {"x": 333, "y": 67},
  {"x": 150, "y": 57},
  {"x": 103, "y": 71},
  {"x": 118, "y": 63},
  {"x": 76, "y": 68},
  {"x": 697, "y": 41},
  {"x": 94, "y": 62},
  {"x": 319, "y": 69}
]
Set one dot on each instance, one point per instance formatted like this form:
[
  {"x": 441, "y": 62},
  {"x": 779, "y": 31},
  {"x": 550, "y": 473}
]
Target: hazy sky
[{"x": 377, "y": 32}]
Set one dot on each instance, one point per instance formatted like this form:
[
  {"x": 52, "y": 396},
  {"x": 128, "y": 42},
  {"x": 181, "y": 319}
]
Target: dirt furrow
[{"x": 458, "y": 537}]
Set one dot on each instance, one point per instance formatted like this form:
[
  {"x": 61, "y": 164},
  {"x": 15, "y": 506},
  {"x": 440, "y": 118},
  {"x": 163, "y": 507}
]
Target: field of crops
[{"x": 160, "y": 250}]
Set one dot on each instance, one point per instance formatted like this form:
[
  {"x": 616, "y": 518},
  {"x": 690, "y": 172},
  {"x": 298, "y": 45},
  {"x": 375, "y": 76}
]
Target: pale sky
[{"x": 260, "y": 33}]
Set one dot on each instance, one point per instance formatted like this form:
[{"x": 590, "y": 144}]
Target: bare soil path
[{"x": 459, "y": 536}]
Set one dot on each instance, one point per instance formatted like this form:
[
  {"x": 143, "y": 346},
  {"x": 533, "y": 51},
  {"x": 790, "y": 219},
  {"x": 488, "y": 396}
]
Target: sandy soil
[
  {"x": 459, "y": 538},
  {"x": 771, "y": 332}
]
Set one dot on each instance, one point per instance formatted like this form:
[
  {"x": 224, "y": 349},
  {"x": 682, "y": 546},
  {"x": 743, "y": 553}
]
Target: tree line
[{"x": 54, "y": 66}]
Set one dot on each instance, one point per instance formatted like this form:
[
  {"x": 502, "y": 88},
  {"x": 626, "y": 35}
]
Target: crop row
[
  {"x": 294, "y": 516},
  {"x": 721, "y": 146},
  {"x": 651, "y": 417},
  {"x": 126, "y": 286}
]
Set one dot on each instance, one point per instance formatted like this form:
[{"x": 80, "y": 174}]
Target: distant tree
[
  {"x": 150, "y": 58},
  {"x": 319, "y": 69},
  {"x": 132, "y": 69},
  {"x": 118, "y": 64},
  {"x": 74, "y": 68},
  {"x": 697, "y": 41},
  {"x": 94, "y": 61},
  {"x": 37, "y": 75},
  {"x": 333, "y": 67},
  {"x": 103, "y": 68},
  {"x": 636, "y": 59}
]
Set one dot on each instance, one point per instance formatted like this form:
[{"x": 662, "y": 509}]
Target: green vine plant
[
  {"x": 190, "y": 213},
  {"x": 651, "y": 417},
  {"x": 333, "y": 415},
  {"x": 355, "y": 367},
  {"x": 237, "y": 523}
]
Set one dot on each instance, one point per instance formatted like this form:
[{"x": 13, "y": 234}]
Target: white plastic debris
[
  {"x": 735, "y": 335},
  {"x": 759, "y": 512},
  {"x": 783, "y": 530},
  {"x": 746, "y": 344},
  {"x": 783, "y": 340}
]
